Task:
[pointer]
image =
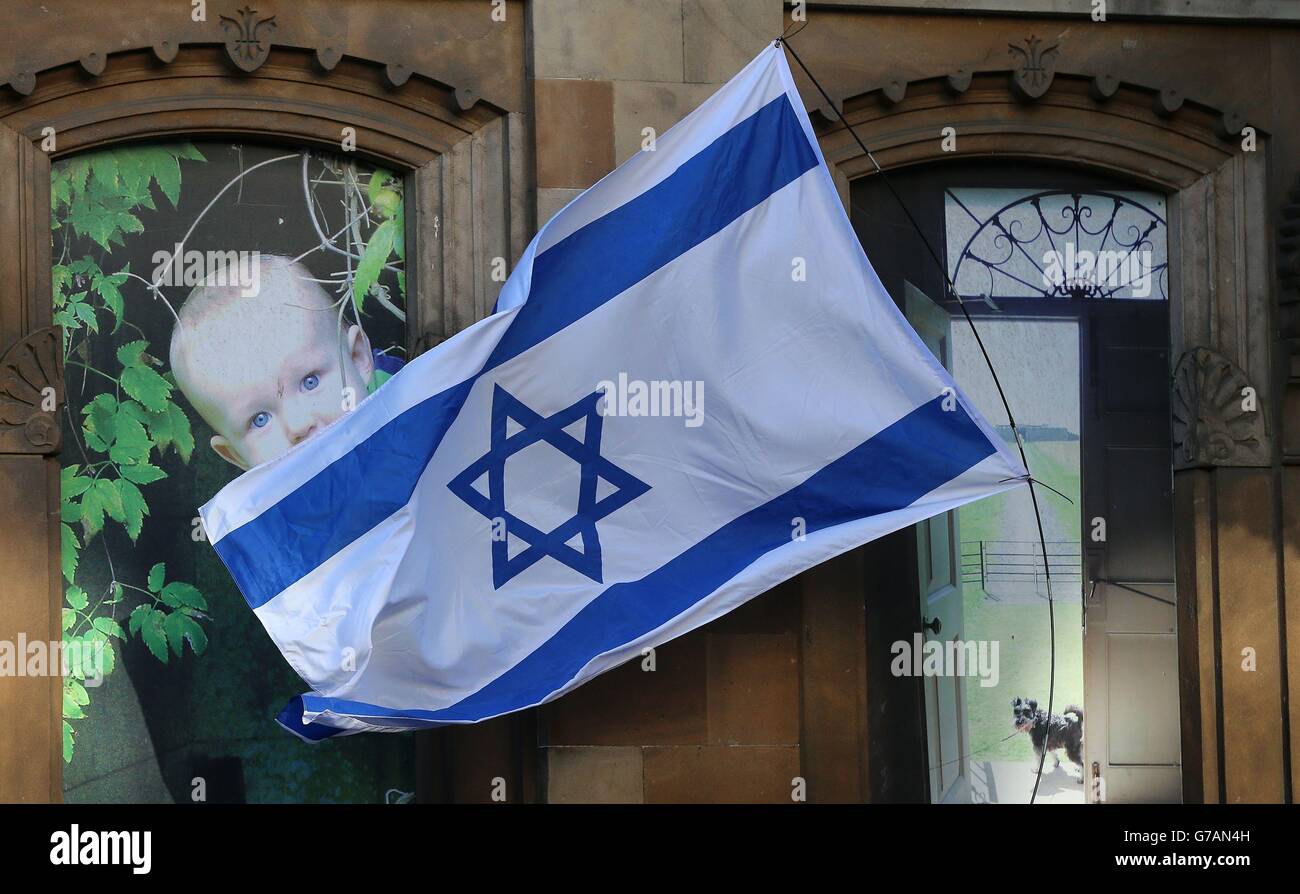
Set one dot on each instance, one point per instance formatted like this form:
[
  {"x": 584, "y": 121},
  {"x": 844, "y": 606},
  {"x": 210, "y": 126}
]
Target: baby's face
[{"x": 267, "y": 375}]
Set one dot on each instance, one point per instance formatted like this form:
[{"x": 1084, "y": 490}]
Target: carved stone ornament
[
  {"x": 248, "y": 38},
  {"x": 1218, "y": 418},
  {"x": 1035, "y": 67},
  {"x": 31, "y": 394}
]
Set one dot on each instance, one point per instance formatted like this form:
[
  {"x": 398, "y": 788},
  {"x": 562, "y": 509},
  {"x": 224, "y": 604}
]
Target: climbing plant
[
  {"x": 126, "y": 418},
  {"x": 125, "y": 428}
]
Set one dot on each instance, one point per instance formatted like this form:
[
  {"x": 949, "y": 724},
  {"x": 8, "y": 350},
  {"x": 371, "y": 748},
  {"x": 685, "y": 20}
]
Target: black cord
[{"x": 1011, "y": 419}]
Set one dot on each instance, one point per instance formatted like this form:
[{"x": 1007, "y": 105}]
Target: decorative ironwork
[{"x": 1057, "y": 245}]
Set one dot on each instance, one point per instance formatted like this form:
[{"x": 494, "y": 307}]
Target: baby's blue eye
[
  {"x": 261, "y": 419},
  {"x": 310, "y": 382}
]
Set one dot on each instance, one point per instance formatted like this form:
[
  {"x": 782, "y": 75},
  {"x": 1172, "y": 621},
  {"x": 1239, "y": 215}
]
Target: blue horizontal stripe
[
  {"x": 347, "y": 499},
  {"x": 916, "y": 455},
  {"x": 736, "y": 173},
  {"x": 290, "y": 717},
  {"x": 578, "y": 274}
]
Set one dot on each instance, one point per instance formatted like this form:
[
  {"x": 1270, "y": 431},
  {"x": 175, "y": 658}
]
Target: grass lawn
[{"x": 1019, "y": 628}]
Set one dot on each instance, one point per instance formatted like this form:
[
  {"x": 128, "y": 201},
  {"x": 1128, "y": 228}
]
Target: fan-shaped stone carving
[
  {"x": 29, "y": 410},
  {"x": 1218, "y": 419}
]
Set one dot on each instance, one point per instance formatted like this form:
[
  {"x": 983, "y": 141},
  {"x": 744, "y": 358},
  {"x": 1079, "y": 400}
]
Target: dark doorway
[{"x": 1066, "y": 275}]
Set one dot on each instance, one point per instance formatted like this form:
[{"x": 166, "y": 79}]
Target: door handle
[{"x": 931, "y": 624}]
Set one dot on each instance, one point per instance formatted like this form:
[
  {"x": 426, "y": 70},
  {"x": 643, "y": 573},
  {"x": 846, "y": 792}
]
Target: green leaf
[
  {"x": 92, "y": 513},
  {"x": 78, "y": 692},
  {"x": 142, "y": 473},
  {"x": 155, "y": 635},
  {"x": 60, "y": 277},
  {"x": 133, "y": 505},
  {"x": 146, "y": 386},
  {"x": 129, "y": 353},
  {"x": 60, "y": 193},
  {"x": 133, "y": 168},
  {"x": 157, "y": 574},
  {"x": 138, "y": 616},
  {"x": 131, "y": 446},
  {"x": 76, "y": 668},
  {"x": 111, "y": 498},
  {"x": 69, "y": 619},
  {"x": 175, "y": 635},
  {"x": 168, "y": 175},
  {"x": 108, "y": 627},
  {"x": 172, "y": 427},
  {"x": 86, "y": 314},
  {"x": 104, "y": 166},
  {"x": 177, "y": 594},
  {"x": 99, "y": 225},
  {"x": 100, "y": 415},
  {"x": 116, "y": 597},
  {"x": 86, "y": 266},
  {"x": 70, "y": 511},
  {"x": 68, "y": 552},
  {"x": 128, "y": 431},
  {"x": 186, "y": 150},
  {"x": 182, "y": 434},
  {"x": 196, "y": 635},
  {"x": 182, "y": 627},
  {"x": 109, "y": 660},
  {"x": 71, "y": 484},
  {"x": 67, "y": 742},
  {"x": 134, "y": 410},
  {"x": 78, "y": 172},
  {"x": 378, "y": 180},
  {"x": 108, "y": 288},
  {"x": 372, "y": 261},
  {"x": 71, "y": 710},
  {"x": 77, "y": 598}
]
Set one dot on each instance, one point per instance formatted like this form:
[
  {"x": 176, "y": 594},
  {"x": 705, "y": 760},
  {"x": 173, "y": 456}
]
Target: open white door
[{"x": 940, "y": 596}]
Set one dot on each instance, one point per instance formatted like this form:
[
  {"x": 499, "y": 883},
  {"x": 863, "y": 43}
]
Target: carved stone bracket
[
  {"x": 1218, "y": 419},
  {"x": 1035, "y": 67},
  {"x": 248, "y": 40},
  {"x": 29, "y": 411}
]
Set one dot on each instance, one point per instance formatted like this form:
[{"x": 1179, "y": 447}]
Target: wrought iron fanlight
[{"x": 1061, "y": 245}]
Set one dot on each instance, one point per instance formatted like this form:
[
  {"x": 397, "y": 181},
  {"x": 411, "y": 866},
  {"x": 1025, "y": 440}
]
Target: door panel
[
  {"x": 940, "y": 596},
  {"x": 1141, "y": 713},
  {"x": 1131, "y": 729}
]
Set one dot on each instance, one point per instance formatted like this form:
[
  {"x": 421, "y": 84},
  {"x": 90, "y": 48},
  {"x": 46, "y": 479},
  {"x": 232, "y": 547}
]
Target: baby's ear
[
  {"x": 359, "y": 350},
  {"x": 222, "y": 448}
]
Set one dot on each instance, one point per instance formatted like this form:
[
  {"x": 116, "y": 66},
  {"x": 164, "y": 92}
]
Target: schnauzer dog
[{"x": 1064, "y": 730}]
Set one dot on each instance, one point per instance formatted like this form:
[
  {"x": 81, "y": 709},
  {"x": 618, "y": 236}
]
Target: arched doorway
[{"x": 1124, "y": 139}]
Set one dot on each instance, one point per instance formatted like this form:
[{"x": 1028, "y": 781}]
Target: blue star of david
[{"x": 586, "y": 453}]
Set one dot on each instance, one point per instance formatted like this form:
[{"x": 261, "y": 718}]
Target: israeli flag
[{"x": 693, "y": 388}]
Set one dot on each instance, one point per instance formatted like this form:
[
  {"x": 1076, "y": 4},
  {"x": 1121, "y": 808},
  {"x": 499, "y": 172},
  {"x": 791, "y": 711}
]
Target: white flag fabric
[{"x": 693, "y": 388}]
